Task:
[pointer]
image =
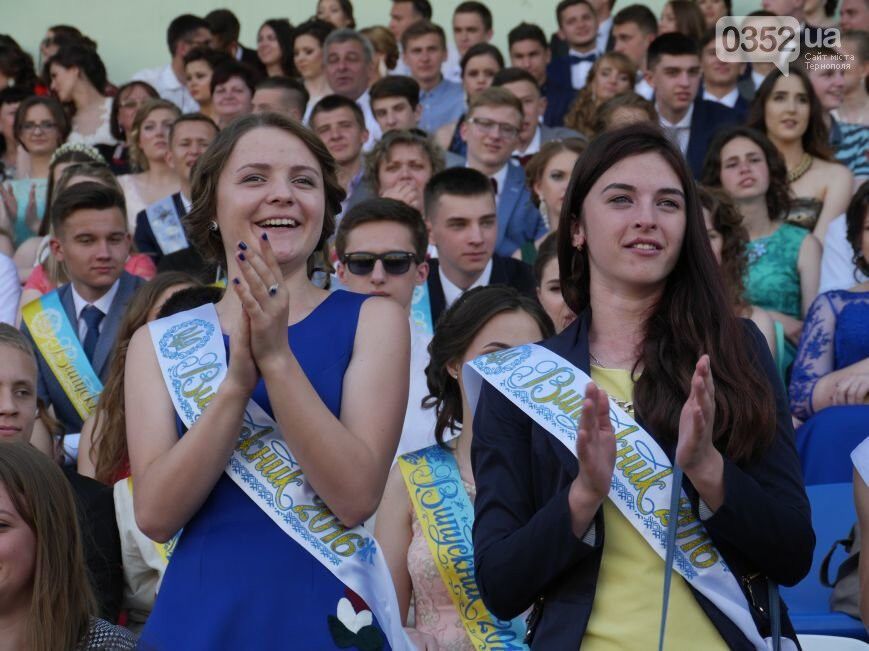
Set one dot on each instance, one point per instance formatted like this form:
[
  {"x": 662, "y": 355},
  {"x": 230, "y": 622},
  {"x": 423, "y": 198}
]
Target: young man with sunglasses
[
  {"x": 460, "y": 212},
  {"x": 381, "y": 245},
  {"x": 492, "y": 133}
]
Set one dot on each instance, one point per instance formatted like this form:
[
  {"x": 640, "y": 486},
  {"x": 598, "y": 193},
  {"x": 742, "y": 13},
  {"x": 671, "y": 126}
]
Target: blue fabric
[
  {"x": 236, "y": 581},
  {"x": 92, "y": 316},
  {"x": 443, "y": 104},
  {"x": 21, "y": 190},
  {"x": 826, "y": 440}
]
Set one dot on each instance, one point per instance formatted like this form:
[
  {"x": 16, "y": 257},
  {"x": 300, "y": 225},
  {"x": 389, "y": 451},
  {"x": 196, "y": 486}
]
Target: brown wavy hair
[
  {"x": 816, "y": 139},
  {"x": 109, "y": 435},
  {"x": 693, "y": 315},
  {"x": 455, "y": 331},
  {"x": 734, "y": 243},
  {"x": 581, "y": 114},
  {"x": 62, "y": 600},
  {"x": 137, "y": 156},
  {"x": 778, "y": 198},
  {"x": 207, "y": 171}
]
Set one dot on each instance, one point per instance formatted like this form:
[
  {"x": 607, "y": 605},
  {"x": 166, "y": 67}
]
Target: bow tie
[{"x": 588, "y": 58}]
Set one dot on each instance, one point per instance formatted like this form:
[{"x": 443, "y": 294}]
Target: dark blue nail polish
[
  {"x": 241, "y": 257},
  {"x": 265, "y": 236},
  {"x": 235, "y": 281},
  {"x": 242, "y": 246}
]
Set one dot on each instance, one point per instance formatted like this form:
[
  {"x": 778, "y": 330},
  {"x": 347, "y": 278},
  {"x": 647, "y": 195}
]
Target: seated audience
[
  {"x": 337, "y": 12},
  {"x": 199, "y": 66},
  {"x": 274, "y": 49},
  {"x": 612, "y": 74},
  {"x": 424, "y": 47},
  {"x": 403, "y": 14},
  {"x": 472, "y": 24},
  {"x": 150, "y": 144},
  {"x": 308, "y": 40},
  {"x": 349, "y": 58},
  {"x": 10, "y": 99},
  {"x": 225, "y": 30},
  {"x": 839, "y": 269},
  {"x": 787, "y": 110},
  {"x": 683, "y": 17},
  {"x": 399, "y": 167},
  {"x": 829, "y": 387},
  {"x": 548, "y": 279},
  {"x": 232, "y": 88},
  {"x": 463, "y": 225},
  {"x": 622, "y": 110},
  {"x": 340, "y": 123},
  {"x": 492, "y": 132},
  {"x": 184, "y": 33},
  {"x": 634, "y": 29},
  {"x": 548, "y": 175},
  {"x": 125, "y": 104},
  {"x": 381, "y": 246},
  {"x": 283, "y": 95},
  {"x": 721, "y": 78},
  {"x": 395, "y": 103},
  {"x": 854, "y": 15},
  {"x": 484, "y": 320},
  {"x": 577, "y": 25},
  {"x": 853, "y": 113}
]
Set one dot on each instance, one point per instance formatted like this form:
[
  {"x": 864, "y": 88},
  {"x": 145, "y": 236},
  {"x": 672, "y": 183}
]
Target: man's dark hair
[
  {"x": 474, "y": 7},
  {"x": 512, "y": 75},
  {"x": 396, "y": 86},
  {"x": 640, "y": 15},
  {"x": 566, "y": 4},
  {"x": 423, "y": 28},
  {"x": 458, "y": 181},
  {"x": 192, "y": 117},
  {"x": 421, "y": 7},
  {"x": 674, "y": 44},
  {"x": 188, "y": 299},
  {"x": 181, "y": 28},
  {"x": 706, "y": 39},
  {"x": 527, "y": 32},
  {"x": 87, "y": 195},
  {"x": 224, "y": 25},
  {"x": 232, "y": 68},
  {"x": 294, "y": 89},
  {"x": 335, "y": 102},
  {"x": 383, "y": 210}
]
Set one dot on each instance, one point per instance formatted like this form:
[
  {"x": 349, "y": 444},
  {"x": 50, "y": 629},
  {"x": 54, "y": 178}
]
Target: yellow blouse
[{"x": 626, "y": 613}]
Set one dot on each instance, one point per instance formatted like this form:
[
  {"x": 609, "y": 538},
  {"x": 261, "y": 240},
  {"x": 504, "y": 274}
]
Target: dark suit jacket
[
  {"x": 707, "y": 119},
  {"x": 505, "y": 271},
  {"x": 249, "y": 57},
  {"x": 741, "y": 106},
  {"x": 559, "y": 97},
  {"x": 48, "y": 388},
  {"x": 558, "y": 71},
  {"x": 526, "y": 553}
]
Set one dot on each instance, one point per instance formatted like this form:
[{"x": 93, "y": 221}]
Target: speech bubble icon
[{"x": 758, "y": 39}]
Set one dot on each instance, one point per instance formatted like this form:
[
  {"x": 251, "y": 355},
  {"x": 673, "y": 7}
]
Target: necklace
[
  {"x": 594, "y": 360},
  {"x": 801, "y": 168}
]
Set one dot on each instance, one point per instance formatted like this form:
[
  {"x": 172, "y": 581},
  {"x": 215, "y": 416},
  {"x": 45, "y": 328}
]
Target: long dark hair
[
  {"x": 455, "y": 331},
  {"x": 284, "y": 34},
  {"x": 778, "y": 198},
  {"x": 691, "y": 318},
  {"x": 734, "y": 243},
  {"x": 855, "y": 219},
  {"x": 816, "y": 139}
]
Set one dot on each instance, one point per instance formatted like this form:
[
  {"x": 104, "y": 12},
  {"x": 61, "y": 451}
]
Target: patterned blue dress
[
  {"x": 235, "y": 580},
  {"x": 835, "y": 336}
]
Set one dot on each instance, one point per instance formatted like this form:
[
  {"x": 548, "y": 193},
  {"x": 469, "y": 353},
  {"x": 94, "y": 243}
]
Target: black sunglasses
[{"x": 395, "y": 263}]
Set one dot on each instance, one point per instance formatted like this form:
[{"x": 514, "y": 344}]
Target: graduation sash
[
  {"x": 192, "y": 358},
  {"x": 446, "y": 517},
  {"x": 420, "y": 310},
  {"x": 550, "y": 390},
  {"x": 166, "y": 225},
  {"x": 58, "y": 342}
]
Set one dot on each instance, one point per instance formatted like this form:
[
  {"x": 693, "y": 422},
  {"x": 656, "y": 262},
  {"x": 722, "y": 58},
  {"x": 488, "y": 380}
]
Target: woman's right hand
[
  {"x": 422, "y": 641},
  {"x": 596, "y": 451},
  {"x": 9, "y": 202},
  {"x": 242, "y": 374},
  {"x": 852, "y": 390}
]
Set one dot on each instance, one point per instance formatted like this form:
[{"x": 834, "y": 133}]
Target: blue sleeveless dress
[{"x": 236, "y": 581}]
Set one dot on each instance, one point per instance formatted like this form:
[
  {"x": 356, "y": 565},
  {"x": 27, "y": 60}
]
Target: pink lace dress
[{"x": 435, "y": 612}]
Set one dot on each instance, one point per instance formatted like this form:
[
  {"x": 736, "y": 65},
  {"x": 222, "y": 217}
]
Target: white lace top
[{"x": 103, "y": 134}]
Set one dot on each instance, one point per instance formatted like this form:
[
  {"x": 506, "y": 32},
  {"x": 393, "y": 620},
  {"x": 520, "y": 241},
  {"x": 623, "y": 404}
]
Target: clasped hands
[
  {"x": 260, "y": 336},
  {"x": 596, "y": 446}
]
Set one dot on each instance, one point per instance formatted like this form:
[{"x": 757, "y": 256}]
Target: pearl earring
[{"x": 213, "y": 227}]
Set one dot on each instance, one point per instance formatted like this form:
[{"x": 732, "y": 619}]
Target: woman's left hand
[
  {"x": 265, "y": 300},
  {"x": 695, "y": 448}
]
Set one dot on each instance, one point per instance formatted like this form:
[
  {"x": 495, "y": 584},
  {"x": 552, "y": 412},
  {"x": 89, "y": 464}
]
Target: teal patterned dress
[{"x": 773, "y": 280}]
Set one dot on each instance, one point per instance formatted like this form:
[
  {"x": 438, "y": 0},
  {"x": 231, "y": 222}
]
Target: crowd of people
[{"x": 269, "y": 323}]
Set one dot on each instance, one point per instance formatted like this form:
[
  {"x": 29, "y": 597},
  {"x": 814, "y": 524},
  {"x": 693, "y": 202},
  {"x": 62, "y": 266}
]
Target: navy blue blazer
[
  {"x": 707, "y": 119},
  {"x": 558, "y": 72},
  {"x": 559, "y": 97},
  {"x": 526, "y": 553},
  {"x": 48, "y": 388},
  {"x": 505, "y": 271},
  {"x": 741, "y": 106}
]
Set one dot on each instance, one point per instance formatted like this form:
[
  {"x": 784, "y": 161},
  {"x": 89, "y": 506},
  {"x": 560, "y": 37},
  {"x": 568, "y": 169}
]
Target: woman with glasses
[
  {"x": 78, "y": 77},
  {"x": 128, "y": 100},
  {"x": 40, "y": 128}
]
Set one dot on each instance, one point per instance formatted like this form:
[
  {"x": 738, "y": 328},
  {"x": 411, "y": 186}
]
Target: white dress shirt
[
  {"x": 757, "y": 78},
  {"x": 452, "y": 292},
  {"x": 10, "y": 290},
  {"x": 418, "y": 429},
  {"x": 644, "y": 89},
  {"x": 374, "y": 132},
  {"x": 169, "y": 87},
  {"x": 837, "y": 268},
  {"x": 728, "y": 100},
  {"x": 603, "y": 33},
  {"x": 579, "y": 71},
  {"x": 103, "y": 304},
  {"x": 532, "y": 148},
  {"x": 681, "y": 131}
]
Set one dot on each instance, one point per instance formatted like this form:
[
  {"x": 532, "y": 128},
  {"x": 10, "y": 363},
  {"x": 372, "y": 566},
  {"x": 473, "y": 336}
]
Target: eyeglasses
[
  {"x": 132, "y": 104},
  {"x": 42, "y": 126},
  {"x": 490, "y": 126},
  {"x": 395, "y": 263}
]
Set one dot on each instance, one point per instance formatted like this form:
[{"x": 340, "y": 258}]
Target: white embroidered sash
[{"x": 166, "y": 225}]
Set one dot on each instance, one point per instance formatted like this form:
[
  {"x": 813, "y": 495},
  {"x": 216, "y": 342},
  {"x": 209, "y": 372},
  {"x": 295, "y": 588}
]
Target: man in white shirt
[
  {"x": 381, "y": 245},
  {"x": 634, "y": 29},
  {"x": 185, "y": 33},
  {"x": 577, "y": 25},
  {"x": 349, "y": 59}
]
